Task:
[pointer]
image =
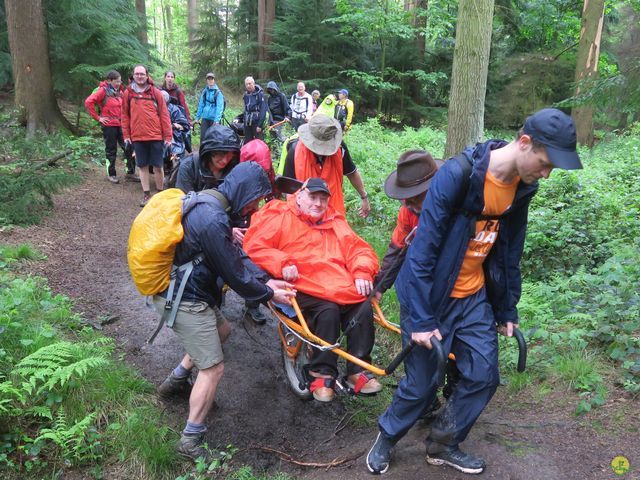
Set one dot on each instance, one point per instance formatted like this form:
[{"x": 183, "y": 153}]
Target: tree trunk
[
  {"x": 266, "y": 16},
  {"x": 469, "y": 76},
  {"x": 142, "y": 13},
  {"x": 418, "y": 9},
  {"x": 192, "y": 19},
  {"x": 34, "y": 96},
  {"x": 587, "y": 65},
  {"x": 226, "y": 38}
]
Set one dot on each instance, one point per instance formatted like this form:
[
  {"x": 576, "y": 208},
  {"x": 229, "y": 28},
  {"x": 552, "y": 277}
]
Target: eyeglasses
[{"x": 139, "y": 74}]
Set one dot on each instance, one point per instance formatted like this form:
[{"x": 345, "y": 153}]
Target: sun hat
[
  {"x": 557, "y": 132},
  {"x": 314, "y": 184},
  {"x": 322, "y": 135},
  {"x": 413, "y": 175}
]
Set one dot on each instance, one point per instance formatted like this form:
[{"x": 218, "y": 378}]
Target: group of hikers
[
  {"x": 453, "y": 257},
  {"x": 150, "y": 123}
]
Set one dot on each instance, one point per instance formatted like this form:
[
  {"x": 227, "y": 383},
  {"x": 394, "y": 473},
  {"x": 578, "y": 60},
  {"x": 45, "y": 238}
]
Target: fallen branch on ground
[
  {"x": 48, "y": 162},
  {"x": 288, "y": 458}
]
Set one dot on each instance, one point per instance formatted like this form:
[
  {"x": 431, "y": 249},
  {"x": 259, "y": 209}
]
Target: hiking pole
[
  {"x": 271, "y": 127},
  {"x": 440, "y": 359}
]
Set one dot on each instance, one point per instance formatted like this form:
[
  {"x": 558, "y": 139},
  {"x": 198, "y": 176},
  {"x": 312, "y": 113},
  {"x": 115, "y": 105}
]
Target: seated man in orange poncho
[{"x": 306, "y": 242}]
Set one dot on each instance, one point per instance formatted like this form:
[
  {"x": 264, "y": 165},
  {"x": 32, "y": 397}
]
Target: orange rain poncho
[{"x": 329, "y": 255}]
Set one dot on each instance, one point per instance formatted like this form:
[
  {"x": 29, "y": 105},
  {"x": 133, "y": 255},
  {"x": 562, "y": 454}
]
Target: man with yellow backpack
[{"x": 205, "y": 259}]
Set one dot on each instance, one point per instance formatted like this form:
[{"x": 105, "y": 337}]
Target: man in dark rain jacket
[
  {"x": 461, "y": 277},
  {"x": 255, "y": 110},
  {"x": 279, "y": 108},
  {"x": 199, "y": 325}
]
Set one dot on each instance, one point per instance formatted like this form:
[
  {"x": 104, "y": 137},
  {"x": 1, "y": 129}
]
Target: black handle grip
[
  {"x": 399, "y": 358},
  {"x": 522, "y": 350},
  {"x": 440, "y": 358}
]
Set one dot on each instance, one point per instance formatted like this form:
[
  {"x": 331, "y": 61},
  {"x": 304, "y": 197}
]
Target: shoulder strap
[
  {"x": 467, "y": 167},
  {"x": 220, "y": 197}
]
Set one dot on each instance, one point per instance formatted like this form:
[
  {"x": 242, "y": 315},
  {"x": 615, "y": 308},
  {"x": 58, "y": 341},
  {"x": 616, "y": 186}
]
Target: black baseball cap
[
  {"x": 557, "y": 132},
  {"x": 316, "y": 185}
]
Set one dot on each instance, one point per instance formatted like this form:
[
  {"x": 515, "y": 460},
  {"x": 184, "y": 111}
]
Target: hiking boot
[
  {"x": 379, "y": 456},
  {"x": 132, "y": 177},
  {"x": 361, "y": 383},
  {"x": 193, "y": 446},
  {"x": 456, "y": 458},
  {"x": 145, "y": 200},
  {"x": 175, "y": 386},
  {"x": 113, "y": 179},
  {"x": 258, "y": 317}
]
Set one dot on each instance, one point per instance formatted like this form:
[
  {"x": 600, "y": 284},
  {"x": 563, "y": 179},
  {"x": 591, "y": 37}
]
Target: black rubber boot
[{"x": 379, "y": 456}]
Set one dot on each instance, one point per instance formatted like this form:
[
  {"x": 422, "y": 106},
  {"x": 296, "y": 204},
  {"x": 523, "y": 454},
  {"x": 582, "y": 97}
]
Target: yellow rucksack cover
[{"x": 154, "y": 235}]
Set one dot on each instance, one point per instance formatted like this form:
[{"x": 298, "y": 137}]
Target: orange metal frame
[{"x": 299, "y": 326}]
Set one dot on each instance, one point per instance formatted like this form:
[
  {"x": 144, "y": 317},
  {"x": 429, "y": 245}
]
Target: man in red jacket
[
  {"x": 105, "y": 106},
  {"x": 306, "y": 242},
  {"x": 147, "y": 125}
]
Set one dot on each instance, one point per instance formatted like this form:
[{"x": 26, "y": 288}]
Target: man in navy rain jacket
[
  {"x": 462, "y": 277},
  {"x": 255, "y": 110},
  {"x": 199, "y": 326}
]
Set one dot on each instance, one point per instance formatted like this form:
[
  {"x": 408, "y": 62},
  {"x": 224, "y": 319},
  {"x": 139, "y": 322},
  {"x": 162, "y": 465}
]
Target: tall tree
[
  {"x": 469, "y": 76},
  {"x": 587, "y": 65},
  {"x": 266, "y": 16},
  {"x": 29, "y": 48},
  {"x": 142, "y": 13},
  {"x": 192, "y": 19}
]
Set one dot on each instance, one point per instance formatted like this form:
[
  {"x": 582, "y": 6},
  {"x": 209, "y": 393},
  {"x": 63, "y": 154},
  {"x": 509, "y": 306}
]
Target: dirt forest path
[{"x": 522, "y": 438}]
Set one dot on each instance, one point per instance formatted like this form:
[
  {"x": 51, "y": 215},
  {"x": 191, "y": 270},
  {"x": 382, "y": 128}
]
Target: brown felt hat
[
  {"x": 322, "y": 135},
  {"x": 413, "y": 175}
]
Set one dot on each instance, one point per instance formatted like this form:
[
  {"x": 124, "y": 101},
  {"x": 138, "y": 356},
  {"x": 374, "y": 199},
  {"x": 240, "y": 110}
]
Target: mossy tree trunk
[
  {"x": 34, "y": 97},
  {"x": 587, "y": 65},
  {"x": 469, "y": 76}
]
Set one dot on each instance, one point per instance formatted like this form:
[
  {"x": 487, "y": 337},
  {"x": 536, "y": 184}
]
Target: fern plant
[
  {"x": 78, "y": 443},
  {"x": 54, "y": 365}
]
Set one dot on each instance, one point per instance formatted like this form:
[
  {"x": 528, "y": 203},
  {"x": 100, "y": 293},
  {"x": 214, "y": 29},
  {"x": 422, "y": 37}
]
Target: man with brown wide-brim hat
[
  {"x": 319, "y": 152},
  {"x": 409, "y": 183}
]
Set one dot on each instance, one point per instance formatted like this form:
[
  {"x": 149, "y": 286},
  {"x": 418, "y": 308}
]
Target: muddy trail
[{"x": 523, "y": 437}]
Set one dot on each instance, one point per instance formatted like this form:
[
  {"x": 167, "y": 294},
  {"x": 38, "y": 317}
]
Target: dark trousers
[
  {"x": 250, "y": 133},
  {"x": 112, "y": 138},
  {"x": 468, "y": 330},
  {"x": 325, "y": 319},
  {"x": 296, "y": 122},
  {"x": 204, "y": 126}
]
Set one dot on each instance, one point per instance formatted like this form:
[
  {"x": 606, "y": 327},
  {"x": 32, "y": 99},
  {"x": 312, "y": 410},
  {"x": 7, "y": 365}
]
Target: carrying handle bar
[
  {"x": 522, "y": 350},
  {"x": 440, "y": 358}
]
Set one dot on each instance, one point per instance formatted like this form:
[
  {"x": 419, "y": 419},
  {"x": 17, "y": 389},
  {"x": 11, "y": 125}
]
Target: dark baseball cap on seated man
[
  {"x": 316, "y": 185},
  {"x": 557, "y": 132}
]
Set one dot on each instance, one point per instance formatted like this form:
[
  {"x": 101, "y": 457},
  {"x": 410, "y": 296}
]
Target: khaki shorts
[{"x": 196, "y": 326}]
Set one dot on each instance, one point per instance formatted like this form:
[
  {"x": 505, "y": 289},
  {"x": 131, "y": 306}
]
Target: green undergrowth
[
  {"x": 67, "y": 402},
  {"x": 27, "y": 183}
]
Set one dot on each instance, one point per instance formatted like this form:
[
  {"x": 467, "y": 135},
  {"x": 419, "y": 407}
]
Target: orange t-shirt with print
[{"x": 498, "y": 197}]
